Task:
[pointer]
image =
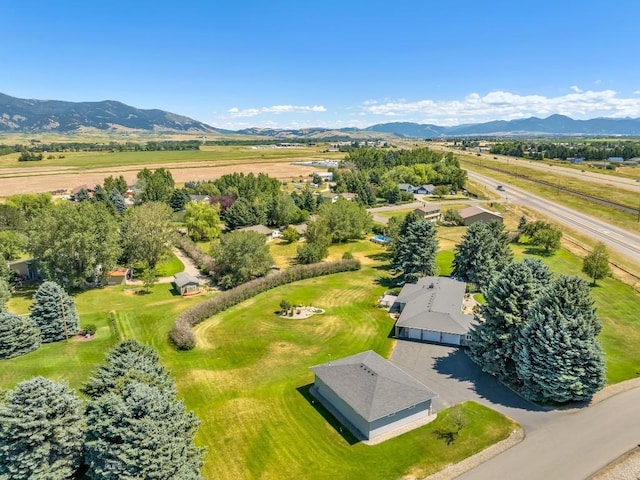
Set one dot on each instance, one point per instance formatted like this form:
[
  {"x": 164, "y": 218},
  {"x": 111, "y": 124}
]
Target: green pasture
[{"x": 222, "y": 154}]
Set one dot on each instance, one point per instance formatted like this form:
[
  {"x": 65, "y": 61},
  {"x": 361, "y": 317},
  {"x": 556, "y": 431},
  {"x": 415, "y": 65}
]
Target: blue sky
[{"x": 330, "y": 63}]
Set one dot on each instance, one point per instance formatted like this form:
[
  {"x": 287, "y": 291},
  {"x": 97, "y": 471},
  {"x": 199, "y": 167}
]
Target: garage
[
  {"x": 450, "y": 338},
  {"x": 431, "y": 336},
  {"x": 415, "y": 334}
]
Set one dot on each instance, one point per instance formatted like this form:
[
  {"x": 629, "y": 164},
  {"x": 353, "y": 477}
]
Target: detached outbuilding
[
  {"x": 371, "y": 396},
  {"x": 472, "y": 215},
  {"x": 186, "y": 284}
]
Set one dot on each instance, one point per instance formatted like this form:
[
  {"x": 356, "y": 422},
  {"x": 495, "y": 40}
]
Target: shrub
[
  {"x": 89, "y": 329},
  {"x": 203, "y": 261},
  {"x": 347, "y": 256},
  {"x": 184, "y": 338}
]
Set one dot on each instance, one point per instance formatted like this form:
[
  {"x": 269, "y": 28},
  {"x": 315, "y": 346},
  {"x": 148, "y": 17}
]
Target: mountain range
[{"x": 27, "y": 115}]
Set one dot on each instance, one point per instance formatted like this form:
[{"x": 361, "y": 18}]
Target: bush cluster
[
  {"x": 184, "y": 338},
  {"x": 203, "y": 261}
]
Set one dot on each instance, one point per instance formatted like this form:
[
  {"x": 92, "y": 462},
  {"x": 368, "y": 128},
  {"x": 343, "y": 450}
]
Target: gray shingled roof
[
  {"x": 371, "y": 385},
  {"x": 182, "y": 279},
  {"x": 434, "y": 303},
  {"x": 262, "y": 229}
]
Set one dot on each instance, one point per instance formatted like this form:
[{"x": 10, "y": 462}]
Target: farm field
[{"x": 209, "y": 163}]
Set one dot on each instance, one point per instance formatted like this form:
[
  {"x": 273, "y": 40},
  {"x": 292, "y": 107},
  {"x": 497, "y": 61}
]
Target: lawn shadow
[
  {"x": 381, "y": 257},
  {"x": 539, "y": 252},
  {"x": 342, "y": 430},
  {"x": 387, "y": 282},
  {"x": 457, "y": 365}
]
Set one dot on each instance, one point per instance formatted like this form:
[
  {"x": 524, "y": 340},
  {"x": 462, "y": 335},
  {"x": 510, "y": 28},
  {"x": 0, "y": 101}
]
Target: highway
[{"x": 622, "y": 241}]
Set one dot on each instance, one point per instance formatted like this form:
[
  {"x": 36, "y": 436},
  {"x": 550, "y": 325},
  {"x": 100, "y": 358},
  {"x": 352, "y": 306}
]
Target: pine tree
[
  {"x": 127, "y": 362},
  {"x": 41, "y": 431},
  {"x": 142, "y": 433},
  {"x": 18, "y": 335},
  {"x": 54, "y": 312},
  {"x": 117, "y": 200},
  {"x": 414, "y": 253},
  {"x": 559, "y": 356},
  {"x": 499, "y": 324},
  {"x": 541, "y": 273},
  {"x": 483, "y": 252}
]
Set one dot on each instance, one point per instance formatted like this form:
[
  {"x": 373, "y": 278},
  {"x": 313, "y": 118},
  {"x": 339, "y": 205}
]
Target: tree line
[{"x": 595, "y": 150}]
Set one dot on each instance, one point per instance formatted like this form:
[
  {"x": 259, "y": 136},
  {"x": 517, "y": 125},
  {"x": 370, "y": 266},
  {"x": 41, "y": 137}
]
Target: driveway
[{"x": 450, "y": 373}]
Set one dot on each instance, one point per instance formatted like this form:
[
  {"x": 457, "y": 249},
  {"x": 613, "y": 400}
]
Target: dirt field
[{"x": 36, "y": 180}]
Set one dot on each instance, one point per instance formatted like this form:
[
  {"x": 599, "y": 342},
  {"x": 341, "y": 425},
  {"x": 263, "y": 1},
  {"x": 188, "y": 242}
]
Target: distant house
[
  {"x": 431, "y": 311},
  {"x": 429, "y": 213},
  {"x": 325, "y": 176},
  {"x": 301, "y": 228},
  {"x": 615, "y": 159},
  {"x": 405, "y": 187},
  {"x": 186, "y": 284},
  {"x": 86, "y": 187},
  {"x": 425, "y": 189},
  {"x": 262, "y": 230},
  {"x": 118, "y": 276},
  {"x": 26, "y": 269},
  {"x": 200, "y": 198},
  {"x": 576, "y": 160},
  {"x": 333, "y": 197},
  {"x": 371, "y": 396},
  {"x": 472, "y": 215}
]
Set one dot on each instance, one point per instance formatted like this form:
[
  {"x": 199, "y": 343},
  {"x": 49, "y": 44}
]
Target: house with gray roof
[
  {"x": 431, "y": 311},
  {"x": 371, "y": 396}
]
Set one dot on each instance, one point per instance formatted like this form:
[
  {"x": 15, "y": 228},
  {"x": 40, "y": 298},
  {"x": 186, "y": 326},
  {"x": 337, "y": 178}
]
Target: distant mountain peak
[{"x": 31, "y": 115}]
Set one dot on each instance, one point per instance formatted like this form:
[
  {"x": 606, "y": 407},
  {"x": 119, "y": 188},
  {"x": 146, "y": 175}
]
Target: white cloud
[
  {"x": 575, "y": 88},
  {"x": 275, "y": 109},
  {"x": 506, "y": 105}
]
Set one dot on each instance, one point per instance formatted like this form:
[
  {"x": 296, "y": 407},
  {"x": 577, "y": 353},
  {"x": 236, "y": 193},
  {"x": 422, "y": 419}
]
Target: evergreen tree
[
  {"x": 5, "y": 294},
  {"x": 541, "y": 273},
  {"x": 41, "y": 431},
  {"x": 500, "y": 321},
  {"x": 127, "y": 362},
  {"x": 54, "y": 312},
  {"x": 18, "y": 335},
  {"x": 414, "y": 253},
  {"x": 117, "y": 200},
  {"x": 559, "y": 356},
  {"x": 142, "y": 433},
  {"x": 596, "y": 264},
  {"x": 483, "y": 252},
  {"x": 179, "y": 199}
]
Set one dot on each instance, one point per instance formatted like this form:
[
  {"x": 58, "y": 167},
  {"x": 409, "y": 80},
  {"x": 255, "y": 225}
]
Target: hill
[{"x": 22, "y": 115}]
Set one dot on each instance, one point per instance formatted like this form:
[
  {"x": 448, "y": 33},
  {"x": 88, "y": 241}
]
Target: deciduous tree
[
  {"x": 54, "y": 312},
  {"x": 596, "y": 264},
  {"x": 241, "y": 256},
  {"x": 543, "y": 234},
  {"x": 147, "y": 233},
  {"x": 202, "y": 220},
  {"x": 41, "y": 431},
  {"x": 74, "y": 242},
  {"x": 154, "y": 186},
  {"x": 347, "y": 220},
  {"x": 12, "y": 244}
]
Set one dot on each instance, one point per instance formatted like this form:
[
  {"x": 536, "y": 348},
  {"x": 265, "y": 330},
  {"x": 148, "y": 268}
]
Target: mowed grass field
[{"x": 248, "y": 378}]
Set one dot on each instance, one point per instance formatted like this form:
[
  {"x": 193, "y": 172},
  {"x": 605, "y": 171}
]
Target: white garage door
[
  {"x": 431, "y": 336},
  {"x": 415, "y": 333},
  {"x": 451, "y": 338}
]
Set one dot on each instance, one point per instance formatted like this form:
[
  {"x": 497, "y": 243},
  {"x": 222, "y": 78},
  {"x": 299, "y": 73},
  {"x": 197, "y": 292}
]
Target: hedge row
[
  {"x": 182, "y": 335},
  {"x": 203, "y": 261}
]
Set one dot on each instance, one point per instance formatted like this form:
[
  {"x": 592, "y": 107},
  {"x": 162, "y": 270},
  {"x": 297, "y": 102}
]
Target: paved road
[
  {"x": 623, "y": 241},
  {"x": 588, "y": 175},
  {"x": 572, "y": 447}
]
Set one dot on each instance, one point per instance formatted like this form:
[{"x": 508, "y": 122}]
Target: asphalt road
[
  {"x": 573, "y": 446},
  {"x": 588, "y": 174},
  {"x": 622, "y": 241}
]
